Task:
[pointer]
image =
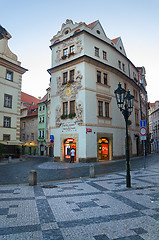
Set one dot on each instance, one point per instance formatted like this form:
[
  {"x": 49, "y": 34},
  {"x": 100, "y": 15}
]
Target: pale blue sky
[{"x": 32, "y": 23}]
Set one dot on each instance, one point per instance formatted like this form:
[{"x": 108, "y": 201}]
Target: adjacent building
[
  {"x": 154, "y": 125},
  {"x": 29, "y": 124},
  {"x": 86, "y": 69},
  {"x": 10, "y": 96}
]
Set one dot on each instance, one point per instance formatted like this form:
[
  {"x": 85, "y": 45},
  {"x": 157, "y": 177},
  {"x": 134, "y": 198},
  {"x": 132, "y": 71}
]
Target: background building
[
  {"x": 10, "y": 96},
  {"x": 29, "y": 124},
  {"x": 86, "y": 69},
  {"x": 154, "y": 125}
]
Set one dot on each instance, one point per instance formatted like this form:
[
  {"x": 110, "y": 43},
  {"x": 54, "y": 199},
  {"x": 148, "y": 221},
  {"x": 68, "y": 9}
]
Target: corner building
[{"x": 86, "y": 69}]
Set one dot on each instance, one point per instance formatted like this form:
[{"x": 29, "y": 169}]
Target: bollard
[
  {"x": 32, "y": 178},
  {"x": 91, "y": 172},
  {"x": 9, "y": 159}
]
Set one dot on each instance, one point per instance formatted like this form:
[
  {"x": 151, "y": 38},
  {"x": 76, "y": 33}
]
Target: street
[{"x": 18, "y": 172}]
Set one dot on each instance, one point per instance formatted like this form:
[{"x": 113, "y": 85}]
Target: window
[
  {"x": 6, "y": 137},
  {"x": 98, "y": 76},
  {"x": 125, "y": 86},
  {"x": 65, "y": 52},
  {"x": 39, "y": 119},
  {"x": 41, "y": 133},
  {"x": 43, "y": 107},
  {"x": 65, "y": 77},
  {"x": 42, "y": 119},
  {"x": 106, "y": 109},
  {"x": 32, "y": 136},
  {"x": 100, "y": 108},
  {"x": 23, "y": 136},
  {"x": 105, "y": 78},
  {"x": 7, "y": 122},
  {"x": 9, "y": 75},
  {"x": 7, "y": 101},
  {"x": 119, "y": 64},
  {"x": 65, "y": 108},
  {"x": 104, "y": 55},
  {"x": 68, "y": 77},
  {"x": 123, "y": 67},
  {"x": 23, "y": 124},
  {"x": 96, "y": 52},
  {"x": 72, "y": 48},
  {"x": 137, "y": 117},
  {"x": 39, "y": 108},
  {"x": 72, "y": 106},
  {"x": 71, "y": 75}
]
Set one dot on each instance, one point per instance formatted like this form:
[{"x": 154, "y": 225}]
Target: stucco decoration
[
  {"x": 77, "y": 42},
  {"x": 79, "y": 113},
  {"x": 58, "y": 116},
  {"x": 69, "y": 90}
]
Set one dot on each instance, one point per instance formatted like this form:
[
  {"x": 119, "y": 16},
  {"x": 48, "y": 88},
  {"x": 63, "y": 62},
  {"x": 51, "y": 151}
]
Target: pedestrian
[{"x": 72, "y": 155}]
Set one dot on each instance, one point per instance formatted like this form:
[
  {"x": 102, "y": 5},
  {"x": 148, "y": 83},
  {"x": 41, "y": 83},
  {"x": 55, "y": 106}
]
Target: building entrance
[
  {"x": 69, "y": 143},
  {"x": 103, "y": 149}
]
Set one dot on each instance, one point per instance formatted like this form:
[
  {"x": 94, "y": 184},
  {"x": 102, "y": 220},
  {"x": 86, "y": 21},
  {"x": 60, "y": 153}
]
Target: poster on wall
[{"x": 104, "y": 149}]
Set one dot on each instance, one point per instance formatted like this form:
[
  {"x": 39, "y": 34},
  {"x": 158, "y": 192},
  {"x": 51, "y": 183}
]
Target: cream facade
[
  {"x": 10, "y": 94},
  {"x": 86, "y": 69}
]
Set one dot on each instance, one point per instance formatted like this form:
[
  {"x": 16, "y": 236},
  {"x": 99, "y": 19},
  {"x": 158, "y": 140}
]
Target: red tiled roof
[
  {"x": 43, "y": 99},
  {"x": 115, "y": 40},
  {"x": 26, "y": 98},
  {"x": 91, "y": 25},
  {"x": 152, "y": 104}
]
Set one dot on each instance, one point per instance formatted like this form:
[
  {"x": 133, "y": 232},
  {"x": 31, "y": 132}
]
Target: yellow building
[{"x": 10, "y": 96}]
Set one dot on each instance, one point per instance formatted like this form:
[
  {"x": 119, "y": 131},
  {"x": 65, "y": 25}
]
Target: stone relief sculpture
[
  {"x": 58, "y": 116},
  {"x": 58, "y": 54},
  {"x": 79, "y": 113}
]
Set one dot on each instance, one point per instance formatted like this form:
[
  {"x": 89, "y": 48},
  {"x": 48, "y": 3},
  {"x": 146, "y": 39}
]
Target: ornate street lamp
[{"x": 125, "y": 102}]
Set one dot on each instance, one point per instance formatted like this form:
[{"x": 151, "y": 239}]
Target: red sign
[
  {"x": 104, "y": 149},
  {"x": 143, "y": 131},
  {"x": 88, "y": 130},
  {"x": 70, "y": 139}
]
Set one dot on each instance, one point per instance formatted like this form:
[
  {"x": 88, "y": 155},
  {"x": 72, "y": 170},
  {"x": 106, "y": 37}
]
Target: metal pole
[
  {"x": 144, "y": 153},
  {"x": 128, "y": 177}
]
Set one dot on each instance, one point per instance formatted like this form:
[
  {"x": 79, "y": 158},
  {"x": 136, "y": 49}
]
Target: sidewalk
[{"x": 100, "y": 208}]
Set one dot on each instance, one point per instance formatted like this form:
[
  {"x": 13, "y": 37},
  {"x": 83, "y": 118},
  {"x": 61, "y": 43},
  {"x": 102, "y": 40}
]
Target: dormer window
[
  {"x": 98, "y": 31},
  {"x": 66, "y": 32}
]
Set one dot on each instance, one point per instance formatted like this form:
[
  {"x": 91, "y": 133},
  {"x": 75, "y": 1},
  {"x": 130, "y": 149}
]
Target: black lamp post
[{"x": 125, "y": 103}]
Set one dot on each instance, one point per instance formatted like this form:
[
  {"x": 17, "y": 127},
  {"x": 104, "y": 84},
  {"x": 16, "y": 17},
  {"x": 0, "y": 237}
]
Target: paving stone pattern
[{"x": 100, "y": 208}]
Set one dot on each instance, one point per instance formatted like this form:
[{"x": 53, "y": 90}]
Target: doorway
[
  {"x": 69, "y": 143},
  {"x": 103, "y": 149}
]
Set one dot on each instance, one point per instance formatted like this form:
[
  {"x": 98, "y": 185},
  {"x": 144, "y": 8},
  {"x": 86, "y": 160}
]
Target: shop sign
[
  {"x": 104, "y": 149},
  {"x": 88, "y": 130},
  {"x": 69, "y": 126},
  {"x": 70, "y": 139}
]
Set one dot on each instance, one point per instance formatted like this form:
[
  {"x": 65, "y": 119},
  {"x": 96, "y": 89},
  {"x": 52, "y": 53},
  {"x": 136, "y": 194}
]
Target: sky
[{"x": 32, "y": 24}]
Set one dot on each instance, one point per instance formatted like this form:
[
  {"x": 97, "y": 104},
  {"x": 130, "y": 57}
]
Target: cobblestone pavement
[{"x": 99, "y": 208}]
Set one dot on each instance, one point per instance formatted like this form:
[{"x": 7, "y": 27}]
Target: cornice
[
  {"x": 97, "y": 63},
  {"x": 12, "y": 66}
]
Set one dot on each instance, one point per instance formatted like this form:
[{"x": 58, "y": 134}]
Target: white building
[
  {"x": 154, "y": 125},
  {"x": 10, "y": 95},
  {"x": 85, "y": 70}
]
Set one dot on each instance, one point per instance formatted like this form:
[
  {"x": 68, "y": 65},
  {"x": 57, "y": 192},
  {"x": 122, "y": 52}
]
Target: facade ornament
[
  {"x": 78, "y": 47},
  {"x": 58, "y": 116},
  {"x": 69, "y": 90},
  {"x": 79, "y": 113}
]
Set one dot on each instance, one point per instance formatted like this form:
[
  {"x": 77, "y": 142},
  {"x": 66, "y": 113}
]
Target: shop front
[
  {"x": 103, "y": 149},
  {"x": 68, "y": 144}
]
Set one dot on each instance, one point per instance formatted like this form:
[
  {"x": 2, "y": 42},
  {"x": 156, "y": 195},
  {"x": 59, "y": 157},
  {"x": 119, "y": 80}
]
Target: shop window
[
  {"x": 103, "y": 149},
  {"x": 69, "y": 143}
]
